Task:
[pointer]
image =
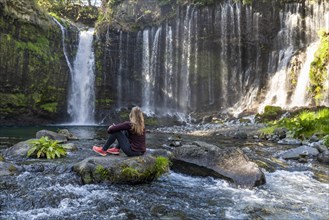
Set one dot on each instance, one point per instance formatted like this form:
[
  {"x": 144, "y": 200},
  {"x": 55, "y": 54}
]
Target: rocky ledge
[{"x": 229, "y": 163}]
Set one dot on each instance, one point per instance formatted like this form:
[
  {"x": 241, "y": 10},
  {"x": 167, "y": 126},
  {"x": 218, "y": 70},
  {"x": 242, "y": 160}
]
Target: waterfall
[
  {"x": 290, "y": 20},
  {"x": 169, "y": 77},
  {"x": 120, "y": 72},
  {"x": 146, "y": 71},
  {"x": 63, "y": 30},
  {"x": 220, "y": 57},
  {"x": 81, "y": 101},
  {"x": 299, "y": 97},
  {"x": 150, "y": 69}
]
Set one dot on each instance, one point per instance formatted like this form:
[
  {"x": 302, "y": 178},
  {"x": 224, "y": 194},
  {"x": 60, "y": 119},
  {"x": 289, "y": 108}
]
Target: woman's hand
[{"x": 111, "y": 126}]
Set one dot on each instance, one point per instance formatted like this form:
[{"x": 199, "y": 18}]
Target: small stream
[{"x": 50, "y": 190}]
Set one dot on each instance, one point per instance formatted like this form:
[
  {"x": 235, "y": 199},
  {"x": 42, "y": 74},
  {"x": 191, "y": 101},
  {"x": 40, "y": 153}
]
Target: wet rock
[
  {"x": 290, "y": 141},
  {"x": 175, "y": 138},
  {"x": 240, "y": 135},
  {"x": 52, "y": 135},
  {"x": 70, "y": 147},
  {"x": 207, "y": 119},
  {"x": 324, "y": 157},
  {"x": 318, "y": 145},
  {"x": 119, "y": 169},
  {"x": 68, "y": 134},
  {"x": 230, "y": 163},
  {"x": 7, "y": 169},
  {"x": 176, "y": 144},
  {"x": 34, "y": 168},
  {"x": 19, "y": 150},
  {"x": 159, "y": 152},
  {"x": 314, "y": 138},
  {"x": 281, "y": 133},
  {"x": 299, "y": 152}
]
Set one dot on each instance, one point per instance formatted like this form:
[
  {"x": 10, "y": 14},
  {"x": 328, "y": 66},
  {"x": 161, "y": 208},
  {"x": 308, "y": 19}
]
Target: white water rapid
[{"x": 81, "y": 100}]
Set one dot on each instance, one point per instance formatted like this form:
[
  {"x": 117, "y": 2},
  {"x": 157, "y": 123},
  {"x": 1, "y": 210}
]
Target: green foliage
[
  {"x": 131, "y": 174},
  {"x": 162, "y": 165},
  {"x": 40, "y": 48},
  {"x": 102, "y": 172},
  {"x": 304, "y": 124},
  {"x": 318, "y": 70},
  {"x": 45, "y": 147},
  {"x": 70, "y": 9},
  {"x": 326, "y": 141},
  {"x": 268, "y": 130},
  {"x": 49, "y": 107}
]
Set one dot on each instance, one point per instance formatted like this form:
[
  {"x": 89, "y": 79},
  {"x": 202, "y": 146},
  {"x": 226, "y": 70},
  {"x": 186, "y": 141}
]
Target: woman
[{"x": 129, "y": 134}]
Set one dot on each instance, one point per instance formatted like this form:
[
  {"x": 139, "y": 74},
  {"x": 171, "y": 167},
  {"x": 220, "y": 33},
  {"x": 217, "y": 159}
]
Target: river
[{"x": 50, "y": 190}]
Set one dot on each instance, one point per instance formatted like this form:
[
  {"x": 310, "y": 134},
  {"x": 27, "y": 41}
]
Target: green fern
[{"x": 46, "y": 148}]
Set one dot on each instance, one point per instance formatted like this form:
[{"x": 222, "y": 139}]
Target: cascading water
[
  {"x": 64, "y": 45},
  {"x": 81, "y": 102},
  {"x": 291, "y": 20},
  {"x": 220, "y": 57},
  {"x": 299, "y": 97}
]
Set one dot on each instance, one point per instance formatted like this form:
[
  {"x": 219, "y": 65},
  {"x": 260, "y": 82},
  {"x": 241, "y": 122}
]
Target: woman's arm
[{"x": 119, "y": 127}]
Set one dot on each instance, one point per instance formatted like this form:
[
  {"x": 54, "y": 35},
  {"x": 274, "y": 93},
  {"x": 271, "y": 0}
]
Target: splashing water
[{"x": 81, "y": 104}]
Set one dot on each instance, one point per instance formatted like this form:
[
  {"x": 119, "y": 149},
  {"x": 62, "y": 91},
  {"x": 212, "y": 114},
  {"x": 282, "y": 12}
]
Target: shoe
[
  {"x": 113, "y": 150},
  {"x": 99, "y": 150}
]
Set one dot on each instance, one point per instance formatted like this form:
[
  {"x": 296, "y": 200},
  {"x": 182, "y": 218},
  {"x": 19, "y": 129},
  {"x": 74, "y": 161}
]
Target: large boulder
[
  {"x": 121, "y": 169},
  {"x": 19, "y": 150},
  {"x": 231, "y": 163}
]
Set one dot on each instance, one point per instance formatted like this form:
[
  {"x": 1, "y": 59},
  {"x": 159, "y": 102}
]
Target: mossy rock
[
  {"x": 121, "y": 169},
  {"x": 270, "y": 113}
]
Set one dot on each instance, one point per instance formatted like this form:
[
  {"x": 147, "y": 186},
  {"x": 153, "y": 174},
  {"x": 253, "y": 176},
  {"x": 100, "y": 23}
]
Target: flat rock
[
  {"x": 296, "y": 153},
  {"x": 231, "y": 163}
]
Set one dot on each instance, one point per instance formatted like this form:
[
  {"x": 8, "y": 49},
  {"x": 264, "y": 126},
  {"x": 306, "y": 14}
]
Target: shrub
[
  {"x": 45, "y": 147},
  {"x": 304, "y": 124}
]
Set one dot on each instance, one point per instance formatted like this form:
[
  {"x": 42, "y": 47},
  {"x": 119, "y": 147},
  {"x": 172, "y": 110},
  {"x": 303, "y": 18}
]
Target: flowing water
[
  {"x": 219, "y": 57},
  {"x": 55, "y": 192},
  {"x": 81, "y": 98}
]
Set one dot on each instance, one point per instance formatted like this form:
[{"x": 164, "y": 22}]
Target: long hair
[{"x": 137, "y": 120}]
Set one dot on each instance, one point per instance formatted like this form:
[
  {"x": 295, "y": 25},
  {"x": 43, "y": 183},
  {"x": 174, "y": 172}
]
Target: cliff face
[
  {"x": 33, "y": 71},
  {"x": 185, "y": 58}
]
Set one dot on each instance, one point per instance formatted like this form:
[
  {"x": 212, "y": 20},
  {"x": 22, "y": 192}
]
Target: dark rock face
[
  {"x": 324, "y": 157},
  {"x": 33, "y": 70},
  {"x": 208, "y": 160},
  {"x": 197, "y": 58},
  {"x": 19, "y": 150}
]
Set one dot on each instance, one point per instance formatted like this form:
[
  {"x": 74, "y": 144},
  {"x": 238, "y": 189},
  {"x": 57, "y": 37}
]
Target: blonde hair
[{"x": 137, "y": 120}]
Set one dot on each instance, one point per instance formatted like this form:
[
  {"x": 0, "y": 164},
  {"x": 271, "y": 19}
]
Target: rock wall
[
  {"x": 186, "y": 58},
  {"x": 33, "y": 71}
]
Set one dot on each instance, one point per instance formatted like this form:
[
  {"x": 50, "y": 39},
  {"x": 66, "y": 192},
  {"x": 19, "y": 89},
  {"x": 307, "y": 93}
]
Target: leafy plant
[
  {"x": 45, "y": 147},
  {"x": 304, "y": 124},
  {"x": 318, "y": 70},
  {"x": 162, "y": 165}
]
